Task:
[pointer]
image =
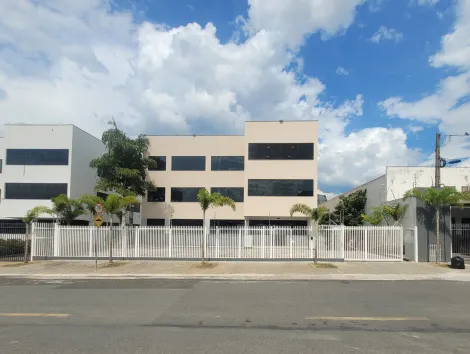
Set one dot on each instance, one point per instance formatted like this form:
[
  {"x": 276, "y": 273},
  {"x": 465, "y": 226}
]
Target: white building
[
  {"x": 398, "y": 180},
  {"x": 42, "y": 161}
]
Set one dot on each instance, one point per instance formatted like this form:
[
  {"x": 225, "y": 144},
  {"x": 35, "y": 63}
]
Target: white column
[
  {"x": 366, "y": 244},
  {"x": 90, "y": 242},
  {"x": 137, "y": 242},
  {"x": 240, "y": 243},
  {"x": 290, "y": 243},
  {"x": 170, "y": 242},
  {"x": 33, "y": 240},
  {"x": 416, "y": 243},
  {"x": 56, "y": 241}
]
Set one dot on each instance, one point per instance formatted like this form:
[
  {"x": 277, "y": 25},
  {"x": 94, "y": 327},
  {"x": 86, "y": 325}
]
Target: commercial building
[
  {"x": 42, "y": 161},
  {"x": 265, "y": 171}
]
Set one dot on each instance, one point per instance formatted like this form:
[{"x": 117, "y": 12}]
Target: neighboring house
[
  {"x": 265, "y": 171},
  {"x": 321, "y": 198},
  {"x": 42, "y": 161}
]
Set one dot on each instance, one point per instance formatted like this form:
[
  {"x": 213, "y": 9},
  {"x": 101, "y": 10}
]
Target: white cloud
[
  {"x": 384, "y": 33},
  {"x": 455, "y": 46},
  {"x": 342, "y": 71},
  {"x": 416, "y": 128},
  {"x": 81, "y": 63},
  {"x": 424, "y": 2},
  {"x": 448, "y": 106}
]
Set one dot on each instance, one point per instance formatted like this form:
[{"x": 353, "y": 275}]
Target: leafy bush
[{"x": 12, "y": 247}]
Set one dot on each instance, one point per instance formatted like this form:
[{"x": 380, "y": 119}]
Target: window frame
[
  {"x": 27, "y": 160},
  {"x": 173, "y": 158},
  {"x": 157, "y": 190},
  {"x": 63, "y": 186},
  {"x": 279, "y": 151},
  {"x": 214, "y": 163},
  {"x": 250, "y": 186},
  {"x": 217, "y": 190},
  {"x": 172, "y": 191},
  {"x": 159, "y": 163}
]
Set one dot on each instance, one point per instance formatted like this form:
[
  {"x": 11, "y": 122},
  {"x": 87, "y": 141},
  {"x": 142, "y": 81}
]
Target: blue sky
[{"x": 381, "y": 76}]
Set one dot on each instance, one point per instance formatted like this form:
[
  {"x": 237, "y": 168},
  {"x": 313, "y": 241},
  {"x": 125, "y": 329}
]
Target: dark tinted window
[
  {"x": 34, "y": 190},
  {"x": 188, "y": 163},
  {"x": 37, "y": 157},
  {"x": 186, "y": 222},
  {"x": 160, "y": 163},
  {"x": 294, "y": 151},
  {"x": 155, "y": 222},
  {"x": 158, "y": 195},
  {"x": 227, "y": 163},
  {"x": 235, "y": 193},
  {"x": 227, "y": 223},
  {"x": 184, "y": 194},
  {"x": 279, "y": 223},
  {"x": 280, "y": 187}
]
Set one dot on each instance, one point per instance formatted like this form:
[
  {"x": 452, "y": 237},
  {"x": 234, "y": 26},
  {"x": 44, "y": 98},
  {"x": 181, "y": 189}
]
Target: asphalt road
[{"x": 191, "y": 316}]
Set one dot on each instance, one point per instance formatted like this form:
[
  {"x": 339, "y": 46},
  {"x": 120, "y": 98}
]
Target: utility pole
[{"x": 437, "y": 177}]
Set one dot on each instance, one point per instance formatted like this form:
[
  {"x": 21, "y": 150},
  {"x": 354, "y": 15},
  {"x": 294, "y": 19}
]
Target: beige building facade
[{"x": 266, "y": 170}]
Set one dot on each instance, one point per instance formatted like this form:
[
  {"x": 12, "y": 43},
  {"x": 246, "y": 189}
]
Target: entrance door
[{"x": 461, "y": 238}]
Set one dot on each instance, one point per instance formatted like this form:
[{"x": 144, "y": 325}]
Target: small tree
[
  {"x": 214, "y": 200},
  {"x": 349, "y": 210},
  {"x": 116, "y": 205},
  {"x": 65, "y": 210},
  {"x": 391, "y": 214},
  {"x": 312, "y": 214},
  {"x": 375, "y": 217},
  {"x": 31, "y": 216},
  {"x": 437, "y": 198}
]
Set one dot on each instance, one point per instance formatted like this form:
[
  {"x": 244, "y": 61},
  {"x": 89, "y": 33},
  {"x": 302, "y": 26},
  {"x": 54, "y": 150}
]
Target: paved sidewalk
[{"x": 233, "y": 270}]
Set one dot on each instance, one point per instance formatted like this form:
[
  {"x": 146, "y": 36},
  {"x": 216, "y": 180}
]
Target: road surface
[{"x": 191, "y": 316}]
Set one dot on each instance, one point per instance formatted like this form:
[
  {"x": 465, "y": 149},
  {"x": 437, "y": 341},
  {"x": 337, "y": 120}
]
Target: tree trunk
[
  {"x": 316, "y": 243},
  {"x": 203, "y": 256},
  {"x": 438, "y": 236},
  {"x": 110, "y": 241},
  {"x": 26, "y": 244}
]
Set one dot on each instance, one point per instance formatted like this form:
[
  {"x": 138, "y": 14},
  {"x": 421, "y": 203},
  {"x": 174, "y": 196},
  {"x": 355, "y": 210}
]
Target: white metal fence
[
  {"x": 334, "y": 242},
  {"x": 461, "y": 239}
]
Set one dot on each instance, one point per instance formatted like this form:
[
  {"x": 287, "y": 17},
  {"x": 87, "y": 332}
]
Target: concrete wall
[
  {"x": 376, "y": 193},
  {"x": 402, "y": 179}
]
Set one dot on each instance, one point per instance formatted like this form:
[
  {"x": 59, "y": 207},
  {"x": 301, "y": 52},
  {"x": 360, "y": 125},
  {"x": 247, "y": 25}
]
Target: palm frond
[
  {"x": 218, "y": 200},
  {"x": 204, "y": 198},
  {"x": 302, "y": 209}
]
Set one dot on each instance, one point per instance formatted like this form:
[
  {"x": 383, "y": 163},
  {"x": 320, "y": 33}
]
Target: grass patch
[
  {"x": 323, "y": 265},
  {"x": 204, "y": 265},
  {"x": 13, "y": 264},
  {"x": 112, "y": 265}
]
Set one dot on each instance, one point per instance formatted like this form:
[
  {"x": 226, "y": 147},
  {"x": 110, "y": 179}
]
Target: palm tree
[
  {"x": 214, "y": 200},
  {"x": 394, "y": 212},
  {"x": 312, "y": 214},
  {"x": 31, "y": 216},
  {"x": 66, "y": 209},
  {"x": 116, "y": 205},
  {"x": 375, "y": 217},
  {"x": 437, "y": 198}
]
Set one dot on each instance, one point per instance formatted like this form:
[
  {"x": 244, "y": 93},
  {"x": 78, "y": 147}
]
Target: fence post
[
  {"x": 416, "y": 243},
  {"x": 216, "y": 242},
  {"x": 137, "y": 242},
  {"x": 240, "y": 242},
  {"x": 400, "y": 254},
  {"x": 170, "y": 241},
  {"x": 271, "y": 234},
  {"x": 342, "y": 243},
  {"x": 290, "y": 243},
  {"x": 90, "y": 242},
  {"x": 33, "y": 241},
  {"x": 366, "y": 244},
  {"x": 124, "y": 230},
  {"x": 205, "y": 239},
  {"x": 56, "y": 241}
]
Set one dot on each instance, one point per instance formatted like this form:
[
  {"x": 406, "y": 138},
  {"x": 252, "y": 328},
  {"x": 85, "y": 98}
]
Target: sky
[{"x": 380, "y": 76}]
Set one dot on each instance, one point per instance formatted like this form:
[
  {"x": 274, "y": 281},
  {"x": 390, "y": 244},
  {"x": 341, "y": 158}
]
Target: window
[
  {"x": 236, "y": 193},
  {"x": 227, "y": 223},
  {"x": 1, "y": 165},
  {"x": 48, "y": 157},
  {"x": 294, "y": 151},
  {"x": 187, "y": 222},
  {"x": 188, "y": 163},
  {"x": 185, "y": 194},
  {"x": 157, "y": 195},
  {"x": 34, "y": 190},
  {"x": 155, "y": 222},
  {"x": 280, "y": 187},
  {"x": 227, "y": 163},
  {"x": 279, "y": 223},
  {"x": 160, "y": 163}
]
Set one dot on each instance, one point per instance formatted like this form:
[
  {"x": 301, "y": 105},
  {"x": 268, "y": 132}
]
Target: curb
[{"x": 269, "y": 277}]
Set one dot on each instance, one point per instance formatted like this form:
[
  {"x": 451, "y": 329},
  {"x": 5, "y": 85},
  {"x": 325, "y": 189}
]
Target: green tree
[
  {"x": 116, "y": 205},
  {"x": 312, "y": 214},
  {"x": 375, "y": 217},
  {"x": 31, "y": 216},
  {"x": 123, "y": 167},
  {"x": 437, "y": 198},
  {"x": 65, "y": 209},
  {"x": 206, "y": 201},
  {"x": 349, "y": 210}
]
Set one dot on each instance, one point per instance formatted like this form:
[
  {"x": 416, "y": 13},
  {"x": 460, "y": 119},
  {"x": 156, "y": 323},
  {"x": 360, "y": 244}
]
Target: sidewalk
[{"x": 232, "y": 270}]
